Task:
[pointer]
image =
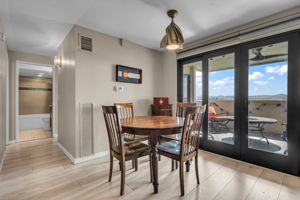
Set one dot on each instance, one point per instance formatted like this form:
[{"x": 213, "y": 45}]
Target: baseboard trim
[
  {"x": 66, "y": 152},
  {"x": 2, "y": 160},
  {"x": 91, "y": 157},
  {"x": 12, "y": 142},
  {"x": 81, "y": 159}
]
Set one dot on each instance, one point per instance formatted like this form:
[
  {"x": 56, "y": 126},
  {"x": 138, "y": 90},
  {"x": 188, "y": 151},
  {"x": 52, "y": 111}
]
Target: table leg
[
  {"x": 153, "y": 143},
  {"x": 225, "y": 125},
  {"x": 261, "y": 130}
]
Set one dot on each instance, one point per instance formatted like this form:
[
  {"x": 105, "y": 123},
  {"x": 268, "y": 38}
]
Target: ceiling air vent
[{"x": 86, "y": 43}]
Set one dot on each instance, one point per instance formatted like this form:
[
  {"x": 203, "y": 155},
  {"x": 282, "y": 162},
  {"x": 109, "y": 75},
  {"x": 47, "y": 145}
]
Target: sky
[{"x": 267, "y": 79}]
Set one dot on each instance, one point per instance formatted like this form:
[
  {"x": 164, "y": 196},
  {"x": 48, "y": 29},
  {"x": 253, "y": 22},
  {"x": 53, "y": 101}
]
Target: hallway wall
[
  {"x": 15, "y": 56},
  {"x": 3, "y": 95},
  {"x": 66, "y": 93}
]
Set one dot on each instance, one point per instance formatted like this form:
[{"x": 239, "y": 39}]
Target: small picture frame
[{"x": 128, "y": 74}]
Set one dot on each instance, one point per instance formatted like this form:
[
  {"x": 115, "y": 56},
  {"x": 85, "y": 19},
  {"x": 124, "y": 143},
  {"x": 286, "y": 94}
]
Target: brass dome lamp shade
[{"x": 173, "y": 39}]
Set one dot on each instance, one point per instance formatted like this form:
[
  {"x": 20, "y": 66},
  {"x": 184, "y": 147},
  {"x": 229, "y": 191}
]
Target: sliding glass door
[
  {"x": 252, "y": 92},
  {"x": 270, "y": 74},
  {"x": 221, "y": 76},
  {"x": 211, "y": 80},
  {"x": 267, "y": 98},
  {"x": 221, "y": 133}
]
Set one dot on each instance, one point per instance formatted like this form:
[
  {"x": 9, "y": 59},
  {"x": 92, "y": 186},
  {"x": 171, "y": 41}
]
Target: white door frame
[
  {"x": 7, "y": 102},
  {"x": 54, "y": 97}
]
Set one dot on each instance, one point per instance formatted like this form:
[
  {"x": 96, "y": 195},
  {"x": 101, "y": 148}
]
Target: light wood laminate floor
[
  {"x": 34, "y": 135},
  {"x": 39, "y": 170}
]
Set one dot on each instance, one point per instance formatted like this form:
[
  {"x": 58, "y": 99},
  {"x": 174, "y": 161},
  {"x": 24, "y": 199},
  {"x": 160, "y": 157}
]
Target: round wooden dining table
[{"x": 153, "y": 126}]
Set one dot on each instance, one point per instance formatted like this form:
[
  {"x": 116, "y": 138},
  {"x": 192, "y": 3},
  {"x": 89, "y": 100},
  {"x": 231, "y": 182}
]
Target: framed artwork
[{"x": 128, "y": 74}]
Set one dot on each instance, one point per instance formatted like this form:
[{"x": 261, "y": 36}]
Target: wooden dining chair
[
  {"x": 125, "y": 110},
  {"x": 181, "y": 108},
  {"x": 187, "y": 148},
  {"x": 123, "y": 151},
  {"x": 180, "y": 112}
]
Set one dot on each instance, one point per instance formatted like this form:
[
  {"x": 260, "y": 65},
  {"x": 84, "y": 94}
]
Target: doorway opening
[{"x": 35, "y": 101}]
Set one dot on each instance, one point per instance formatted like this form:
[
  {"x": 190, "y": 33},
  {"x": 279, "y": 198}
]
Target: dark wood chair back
[
  {"x": 181, "y": 108},
  {"x": 180, "y": 112},
  {"x": 125, "y": 110},
  {"x": 113, "y": 129},
  {"x": 191, "y": 132}
]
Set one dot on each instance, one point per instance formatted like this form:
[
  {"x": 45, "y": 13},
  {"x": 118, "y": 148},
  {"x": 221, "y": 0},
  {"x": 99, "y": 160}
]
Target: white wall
[
  {"x": 94, "y": 81},
  {"x": 66, "y": 94},
  {"x": 168, "y": 83},
  {"x": 35, "y": 121},
  {"x": 3, "y": 95},
  {"x": 95, "y": 78}
]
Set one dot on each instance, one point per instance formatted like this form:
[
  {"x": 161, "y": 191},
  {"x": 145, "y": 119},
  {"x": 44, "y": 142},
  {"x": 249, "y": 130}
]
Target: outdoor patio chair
[{"x": 216, "y": 122}]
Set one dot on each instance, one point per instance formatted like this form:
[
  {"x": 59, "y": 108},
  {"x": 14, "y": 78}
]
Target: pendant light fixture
[{"x": 173, "y": 39}]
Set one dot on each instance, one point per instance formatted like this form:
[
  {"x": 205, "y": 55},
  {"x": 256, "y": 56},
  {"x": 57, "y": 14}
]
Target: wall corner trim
[
  {"x": 2, "y": 160},
  {"x": 81, "y": 159}
]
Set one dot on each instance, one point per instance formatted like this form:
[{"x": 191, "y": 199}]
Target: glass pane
[
  {"x": 221, "y": 98},
  {"x": 267, "y": 107},
  {"x": 192, "y": 83}
]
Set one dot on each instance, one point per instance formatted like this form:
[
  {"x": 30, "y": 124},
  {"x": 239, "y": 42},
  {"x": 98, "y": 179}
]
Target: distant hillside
[{"x": 276, "y": 96}]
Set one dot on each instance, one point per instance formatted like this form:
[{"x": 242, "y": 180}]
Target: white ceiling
[
  {"x": 32, "y": 70},
  {"x": 39, "y": 26}
]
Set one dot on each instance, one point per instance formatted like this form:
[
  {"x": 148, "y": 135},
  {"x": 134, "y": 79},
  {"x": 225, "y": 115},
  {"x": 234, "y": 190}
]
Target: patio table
[{"x": 256, "y": 123}]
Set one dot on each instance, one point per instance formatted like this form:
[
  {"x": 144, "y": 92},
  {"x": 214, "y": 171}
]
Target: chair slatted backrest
[
  {"x": 181, "y": 108},
  {"x": 125, "y": 110},
  {"x": 113, "y": 128},
  {"x": 192, "y": 127}
]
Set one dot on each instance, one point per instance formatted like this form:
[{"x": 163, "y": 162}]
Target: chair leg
[
  {"x": 136, "y": 164},
  {"x": 133, "y": 164},
  {"x": 176, "y": 164},
  {"x": 120, "y": 165},
  {"x": 122, "y": 178},
  {"x": 172, "y": 165},
  {"x": 187, "y": 164},
  {"x": 111, "y": 167},
  {"x": 151, "y": 168},
  {"x": 196, "y": 169},
  {"x": 181, "y": 178},
  {"x": 159, "y": 142}
]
